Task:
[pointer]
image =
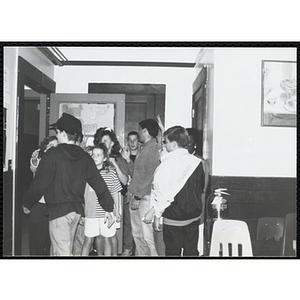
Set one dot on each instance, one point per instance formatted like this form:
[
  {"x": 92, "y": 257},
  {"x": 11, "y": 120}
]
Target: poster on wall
[
  {"x": 279, "y": 93},
  {"x": 92, "y": 117}
]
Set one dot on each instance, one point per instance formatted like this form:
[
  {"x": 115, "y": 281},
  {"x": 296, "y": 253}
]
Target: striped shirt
[{"x": 114, "y": 186}]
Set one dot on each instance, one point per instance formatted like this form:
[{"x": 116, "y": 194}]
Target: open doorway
[
  {"x": 31, "y": 143},
  {"x": 34, "y": 89}
]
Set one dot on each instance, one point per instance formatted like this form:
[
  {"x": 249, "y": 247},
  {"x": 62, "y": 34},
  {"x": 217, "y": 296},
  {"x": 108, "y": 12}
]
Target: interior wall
[
  {"x": 241, "y": 146},
  {"x": 35, "y": 57},
  {"x": 178, "y": 81},
  {"x": 10, "y": 101}
]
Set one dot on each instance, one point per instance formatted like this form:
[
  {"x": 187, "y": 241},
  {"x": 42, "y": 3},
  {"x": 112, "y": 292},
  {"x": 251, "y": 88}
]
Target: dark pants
[
  {"x": 127, "y": 238},
  {"x": 39, "y": 239},
  {"x": 177, "y": 238}
]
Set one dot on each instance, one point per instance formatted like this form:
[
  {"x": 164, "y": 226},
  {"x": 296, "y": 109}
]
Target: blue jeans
[
  {"x": 142, "y": 233},
  {"x": 62, "y": 232}
]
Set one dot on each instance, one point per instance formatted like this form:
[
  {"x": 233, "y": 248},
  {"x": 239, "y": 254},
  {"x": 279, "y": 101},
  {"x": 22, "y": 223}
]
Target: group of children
[
  {"x": 98, "y": 234},
  {"x": 115, "y": 166}
]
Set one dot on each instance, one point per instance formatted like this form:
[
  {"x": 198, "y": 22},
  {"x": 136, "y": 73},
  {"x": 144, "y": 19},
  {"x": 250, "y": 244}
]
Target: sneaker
[{"x": 127, "y": 252}]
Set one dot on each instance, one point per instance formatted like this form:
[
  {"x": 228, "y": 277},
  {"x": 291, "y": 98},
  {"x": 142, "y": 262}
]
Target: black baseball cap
[{"x": 68, "y": 123}]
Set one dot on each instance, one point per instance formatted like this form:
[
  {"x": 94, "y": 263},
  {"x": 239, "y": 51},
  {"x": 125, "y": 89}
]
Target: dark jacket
[
  {"x": 61, "y": 177},
  {"x": 187, "y": 203}
]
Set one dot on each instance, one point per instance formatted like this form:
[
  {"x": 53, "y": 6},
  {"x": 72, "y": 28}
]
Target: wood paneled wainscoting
[{"x": 254, "y": 197}]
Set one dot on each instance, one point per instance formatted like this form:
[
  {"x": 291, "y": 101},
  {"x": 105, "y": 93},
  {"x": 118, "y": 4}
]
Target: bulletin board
[
  {"x": 91, "y": 115},
  {"x": 93, "y": 110}
]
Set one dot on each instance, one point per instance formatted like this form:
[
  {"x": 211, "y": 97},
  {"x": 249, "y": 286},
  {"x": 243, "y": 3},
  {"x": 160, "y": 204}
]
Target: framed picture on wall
[{"x": 279, "y": 93}]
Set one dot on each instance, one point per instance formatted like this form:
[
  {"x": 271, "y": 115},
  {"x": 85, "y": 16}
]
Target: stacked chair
[
  {"x": 289, "y": 236},
  {"x": 230, "y": 238}
]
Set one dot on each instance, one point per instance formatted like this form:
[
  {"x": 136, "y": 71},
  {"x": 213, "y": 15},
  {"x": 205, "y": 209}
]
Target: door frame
[
  {"x": 44, "y": 85},
  {"x": 126, "y": 88},
  {"x": 199, "y": 94}
]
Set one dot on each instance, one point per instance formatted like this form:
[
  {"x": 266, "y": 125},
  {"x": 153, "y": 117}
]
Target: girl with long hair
[{"x": 96, "y": 230}]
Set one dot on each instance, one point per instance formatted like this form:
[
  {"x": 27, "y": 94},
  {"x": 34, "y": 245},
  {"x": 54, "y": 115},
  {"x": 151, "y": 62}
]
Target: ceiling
[{"x": 126, "y": 56}]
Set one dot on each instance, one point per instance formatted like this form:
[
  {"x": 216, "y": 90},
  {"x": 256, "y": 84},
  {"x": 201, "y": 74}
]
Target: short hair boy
[
  {"x": 140, "y": 188},
  {"x": 177, "y": 187},
  {"x": 61, "y": 177}
]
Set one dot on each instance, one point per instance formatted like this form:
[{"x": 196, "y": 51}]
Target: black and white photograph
[
  {"x": 148, "y": 150},
  {"x": 156, "y": 150}
]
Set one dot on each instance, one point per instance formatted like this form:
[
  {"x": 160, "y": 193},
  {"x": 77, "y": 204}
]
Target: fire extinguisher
[
  {"x": 219, "y": 205},
  {"x": 216, "y": 208}
]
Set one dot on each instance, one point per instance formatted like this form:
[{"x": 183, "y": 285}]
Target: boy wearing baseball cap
[{"x": 61, "y": 177}]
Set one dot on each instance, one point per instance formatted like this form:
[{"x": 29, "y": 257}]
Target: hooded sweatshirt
[{"x": 61, "y": 177}]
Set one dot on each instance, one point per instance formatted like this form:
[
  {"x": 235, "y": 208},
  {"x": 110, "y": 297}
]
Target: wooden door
[
  {"x": 199, "y": 121},
  {"x": 199, "y": 107},
  {"x": 142, "y": 101},
  {"x": 138, "y": 108}
]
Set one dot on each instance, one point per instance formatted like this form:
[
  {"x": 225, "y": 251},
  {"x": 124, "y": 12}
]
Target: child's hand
[
  {"x": 35, "y": 153},
  {"x": 157, "y": 224},
  {"x": 109, "y": 219},
  {"x": 118, "y": 218},
  {"x": 126, "y": 154},
  {"x": 34, "y": 161},
  {"x": 148, "y": 218},
  {"x": 25, "y": 210},
  {"x": 134, "y": 204},
  {"x": 32, "y": 168},
  {"x": 81, "y": 221}
]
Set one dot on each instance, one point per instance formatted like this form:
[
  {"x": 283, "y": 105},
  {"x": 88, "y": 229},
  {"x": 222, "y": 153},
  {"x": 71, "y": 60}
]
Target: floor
[{"x": 25, "y": 237}]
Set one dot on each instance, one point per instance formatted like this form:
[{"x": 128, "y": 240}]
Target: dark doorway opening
[
  {"x": 142, "y": 101},
  {"x": 34, "y": 89}
]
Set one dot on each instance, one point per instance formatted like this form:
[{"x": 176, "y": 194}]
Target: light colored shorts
[
  {"x": 95, "y": 227},
  {"x": 107, "y": 232}
]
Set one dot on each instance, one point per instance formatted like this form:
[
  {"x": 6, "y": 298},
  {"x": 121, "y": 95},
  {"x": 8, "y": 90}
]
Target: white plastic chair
[{"x": 230, "y": 238}]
